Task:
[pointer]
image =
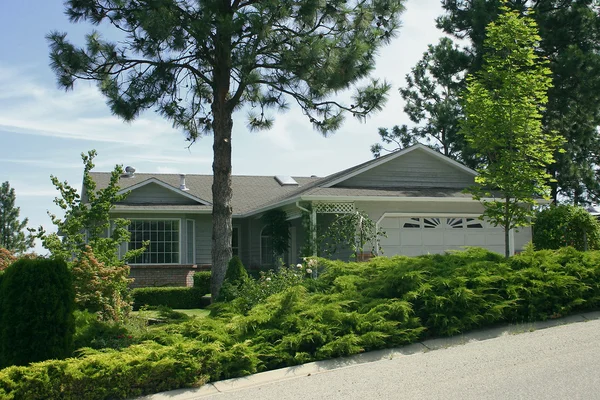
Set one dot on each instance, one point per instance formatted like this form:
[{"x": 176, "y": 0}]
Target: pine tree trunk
[
  {"x": 222, "y": 126},
  {"x": 222, "y": 193}
]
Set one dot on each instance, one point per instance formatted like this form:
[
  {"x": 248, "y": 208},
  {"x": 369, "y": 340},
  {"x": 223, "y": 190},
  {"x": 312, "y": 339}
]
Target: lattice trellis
[{"x": 334, "y": 208}]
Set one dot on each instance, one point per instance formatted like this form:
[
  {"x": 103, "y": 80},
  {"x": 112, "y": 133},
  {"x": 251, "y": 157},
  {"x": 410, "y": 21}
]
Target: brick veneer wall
[{"x": 164, "y": 275}]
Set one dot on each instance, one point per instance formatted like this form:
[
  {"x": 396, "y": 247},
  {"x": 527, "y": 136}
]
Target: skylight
[{"x": 285, "y": 180}]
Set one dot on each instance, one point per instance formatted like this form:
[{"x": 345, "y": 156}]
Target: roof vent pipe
[{"x": 182, "y": 182}]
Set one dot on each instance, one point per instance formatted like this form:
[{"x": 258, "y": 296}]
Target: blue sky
[{"x": 43, "y": 130}]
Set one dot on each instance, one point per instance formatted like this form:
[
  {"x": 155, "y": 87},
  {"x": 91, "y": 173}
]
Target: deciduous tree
[
  {"x": 570, "y": 41},
  {"x": 196, "y": 62},
  {"x": 503, "y": 107}
]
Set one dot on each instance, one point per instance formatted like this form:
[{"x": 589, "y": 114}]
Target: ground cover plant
[{"x": 350, "y": 308}]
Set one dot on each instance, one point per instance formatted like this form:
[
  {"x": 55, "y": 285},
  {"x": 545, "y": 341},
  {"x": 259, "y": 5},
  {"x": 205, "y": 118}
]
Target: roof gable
[
  {"x": 413, "y": 167},
  {"x": 155, "y": 191}
]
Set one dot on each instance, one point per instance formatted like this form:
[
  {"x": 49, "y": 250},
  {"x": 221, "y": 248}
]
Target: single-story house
[{"x": 415, "y": 195}]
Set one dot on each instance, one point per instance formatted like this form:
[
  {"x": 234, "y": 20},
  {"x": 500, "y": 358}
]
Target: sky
[{"x": 44, "y": 130}]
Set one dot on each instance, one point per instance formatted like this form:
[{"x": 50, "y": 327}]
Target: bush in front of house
[
  {"x": 566, "y": 225},
  {"x": 355, "y": 307},
  {"x": 202, "y": 281},
  {"x": 236, "y": 272},
  {"x": 37, "y": 306},
  {"x": 172, "y": 297},
  {"x": 100, "y": 288}
]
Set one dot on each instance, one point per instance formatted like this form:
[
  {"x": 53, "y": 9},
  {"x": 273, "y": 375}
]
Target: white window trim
[
  {"x": 180, "y": 238},
  {"x": 239, "y": 238},
  {"x": 261, "y": 249},
  {"x": 193, "y": 241}
]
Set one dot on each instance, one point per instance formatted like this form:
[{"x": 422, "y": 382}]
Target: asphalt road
[{"x": 562, "y": 362}]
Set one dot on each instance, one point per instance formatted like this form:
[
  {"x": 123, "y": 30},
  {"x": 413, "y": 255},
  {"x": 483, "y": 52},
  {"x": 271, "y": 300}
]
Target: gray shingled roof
[
  {"x": 249, "y": 192},
  {"x": 253, "y": 193}
]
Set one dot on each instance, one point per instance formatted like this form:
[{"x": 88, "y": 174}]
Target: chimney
[{"x": 182, "y": 182}]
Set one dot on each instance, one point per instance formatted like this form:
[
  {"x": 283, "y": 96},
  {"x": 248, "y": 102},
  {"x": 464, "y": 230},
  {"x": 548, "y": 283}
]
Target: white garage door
[{"x": 413, "y": 236}]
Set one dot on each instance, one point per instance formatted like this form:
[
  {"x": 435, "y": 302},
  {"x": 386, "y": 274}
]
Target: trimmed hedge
[
  {"x": 36, "y": 311},
  {"x": 172, "y": 297},
  {"x": 202, "y": 281}
]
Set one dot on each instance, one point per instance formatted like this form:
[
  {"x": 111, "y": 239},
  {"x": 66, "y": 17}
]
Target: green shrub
[
  {"x": 236, "y": 272},
  {"x": 284, "y": 319},
  {"x": 173, "y": 297},
  {"x": 202, "y": 281},
  {"x": 566, "y": 225},
  {"x": 100, "y": 288},
  {"x": 37, "y": 311},
  {"x": 132, "y": 372},
  {"x": 97, "y": 334}
]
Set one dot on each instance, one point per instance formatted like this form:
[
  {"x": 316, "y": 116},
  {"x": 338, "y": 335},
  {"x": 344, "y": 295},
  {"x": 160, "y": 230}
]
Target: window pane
[{"x": 163, "y": 237}]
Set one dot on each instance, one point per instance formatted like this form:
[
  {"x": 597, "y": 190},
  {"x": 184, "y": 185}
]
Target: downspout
[{"x": 313, "y": 227}]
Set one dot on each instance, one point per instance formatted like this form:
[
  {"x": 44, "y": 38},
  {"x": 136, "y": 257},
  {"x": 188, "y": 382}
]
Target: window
[
  {"x": 164, "y": 241},
  {"x": 455, "y": 223},
  {"x": 415, "y": 224},
  {"x": 267, "y": 257},
  {"x": 235, "y": 241},
  {"x": 190, "y": 235},
  {"x": 473, "y": 223}
]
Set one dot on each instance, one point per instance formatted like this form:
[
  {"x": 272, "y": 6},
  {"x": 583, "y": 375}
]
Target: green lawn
[{"x": 194, "y": 312}]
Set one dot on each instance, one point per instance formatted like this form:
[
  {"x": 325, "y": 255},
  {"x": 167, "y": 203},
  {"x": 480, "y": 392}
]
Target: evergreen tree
[
  {"x": 570, "y": 32},
  {"x": 196, "y": 62},
  {"x": 12, "y": 235},
  {"x": 503, "y": 108},
  {"x": 432, "y": 94}
]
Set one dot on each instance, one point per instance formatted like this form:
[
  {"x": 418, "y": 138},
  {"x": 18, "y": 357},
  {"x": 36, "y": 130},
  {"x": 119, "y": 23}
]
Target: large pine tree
[
  {"x": 197, "y": 61},
  {"x": 12, "y": 235}
]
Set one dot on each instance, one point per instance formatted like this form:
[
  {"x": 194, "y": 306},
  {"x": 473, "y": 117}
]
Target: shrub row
[
  {"x": 350, "y": 308},
  {"x": 202, "y": 281},
  {"x": 173, "y": 297}
]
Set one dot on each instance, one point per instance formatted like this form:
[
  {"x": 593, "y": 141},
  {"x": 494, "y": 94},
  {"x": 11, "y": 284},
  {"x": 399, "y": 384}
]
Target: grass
[{"x": 194, "y": 312}]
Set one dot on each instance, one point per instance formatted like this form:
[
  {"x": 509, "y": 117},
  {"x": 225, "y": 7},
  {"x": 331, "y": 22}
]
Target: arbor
[
  {"x": 570, "y": 32},
  {"x": 196, "y": 62},
  {"x": 503, "y": 108},
  {"x": 432, "y": 96},
  {"x": 12, "y": 236}
]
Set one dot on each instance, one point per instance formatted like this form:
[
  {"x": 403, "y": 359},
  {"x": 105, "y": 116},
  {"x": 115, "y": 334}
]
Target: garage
[{"x": 431, "y": 234}]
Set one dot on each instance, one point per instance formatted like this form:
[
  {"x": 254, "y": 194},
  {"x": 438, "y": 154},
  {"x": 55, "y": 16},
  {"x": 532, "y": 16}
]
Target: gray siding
[
  {"x": 203, "y": 240},
  {"x": 156, "y": 194},
  {"x": 414, "y": 169}
]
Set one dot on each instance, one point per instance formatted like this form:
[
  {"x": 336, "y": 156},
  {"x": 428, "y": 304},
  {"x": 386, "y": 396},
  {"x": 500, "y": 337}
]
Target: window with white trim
[
  {"x": 190, "y": 241},
  {"x": 235, "y": 241},
  {"x": 164, "y": 241},
  {"x": 267, "y": 256}
]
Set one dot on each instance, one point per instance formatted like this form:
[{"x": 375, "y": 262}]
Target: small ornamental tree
[
  {"x": 197, "y": 62},
  {"x": 6, "y": 258},
  {"x": 503, "y": 107},
  {"x": 100, "y": 288},
  {"x": 12, "y": 234},
  {"x": 566, "y": 225},
  {"x": 87, "y": 221},
  {"x": 36, "y": 312},
  {"x": 355, "y": 231}
]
